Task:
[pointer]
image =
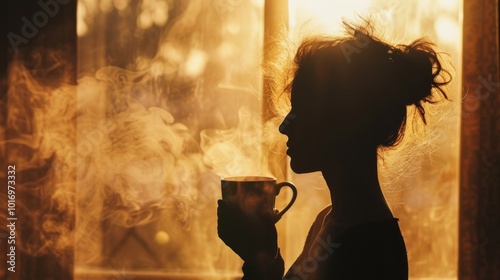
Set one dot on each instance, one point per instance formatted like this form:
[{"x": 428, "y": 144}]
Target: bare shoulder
[
  {"x": 325, "y": 211},
  {"x": 322, "y": 214},
  {"x": 316, "y": 226}
]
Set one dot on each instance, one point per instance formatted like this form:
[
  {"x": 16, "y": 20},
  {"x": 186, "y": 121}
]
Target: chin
[{"x": 301, "y": 167}]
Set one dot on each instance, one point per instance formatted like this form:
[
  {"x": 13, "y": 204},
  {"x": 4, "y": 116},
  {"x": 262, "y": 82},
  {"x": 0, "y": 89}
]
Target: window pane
[{"x": 162, "y": 83}]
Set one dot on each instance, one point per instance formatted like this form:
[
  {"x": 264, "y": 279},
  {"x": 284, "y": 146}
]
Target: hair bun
[{"x": 418, "y": 74}]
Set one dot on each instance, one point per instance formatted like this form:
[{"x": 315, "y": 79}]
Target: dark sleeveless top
[
  {"x": 369, "y": 251},
  {"x": 374, "y": 250}
]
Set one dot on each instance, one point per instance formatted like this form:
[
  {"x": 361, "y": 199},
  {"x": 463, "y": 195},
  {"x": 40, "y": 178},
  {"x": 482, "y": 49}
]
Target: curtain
[
  {"x": 25, "y": 57},
  {"x": 479, "y": 215}
]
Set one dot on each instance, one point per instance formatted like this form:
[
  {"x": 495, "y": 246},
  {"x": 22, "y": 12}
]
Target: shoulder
[
  {"x": 321, "y": 216},
  {"x": 318, "y": 222},
  {"x": 316, "y": 226}
]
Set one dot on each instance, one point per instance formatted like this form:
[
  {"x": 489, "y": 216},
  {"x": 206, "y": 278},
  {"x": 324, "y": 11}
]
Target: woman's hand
[{"x": 249, "y": 237}]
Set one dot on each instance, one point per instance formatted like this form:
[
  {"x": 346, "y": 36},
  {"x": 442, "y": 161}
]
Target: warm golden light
[
  {"x": 324, "y": 15},
  {"x": 120, "y": 4},
  {"x": 195, "y": 63},
  {"x": 177, "y": 107},
  {"x": 447, "y": 29},
  {"x": 162, "y": 237},
  {"x": 169, "y": 98},
  {"x": 81, "y": 25}
]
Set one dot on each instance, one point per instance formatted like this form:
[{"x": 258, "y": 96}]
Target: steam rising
[
  {"x": 236, "y": 151},
  {"x": 142, "y": 165},
  {"x": 38, "y": 143},
  {"x": 135, "y": 164}
]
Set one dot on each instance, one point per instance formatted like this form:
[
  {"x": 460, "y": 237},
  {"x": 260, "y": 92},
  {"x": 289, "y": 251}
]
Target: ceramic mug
[{"x": 256, "y": 195}]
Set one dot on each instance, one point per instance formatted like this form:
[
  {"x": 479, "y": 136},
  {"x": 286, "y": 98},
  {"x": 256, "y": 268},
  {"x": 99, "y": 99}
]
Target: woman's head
[{"x": 352, "y": 93}]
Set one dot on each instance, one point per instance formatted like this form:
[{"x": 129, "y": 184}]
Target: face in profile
[
  {"x": 324, "y": 124},
  {"x": 305, "y": 130}
]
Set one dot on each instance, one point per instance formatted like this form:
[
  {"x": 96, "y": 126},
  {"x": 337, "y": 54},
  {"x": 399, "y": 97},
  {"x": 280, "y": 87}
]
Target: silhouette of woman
[{"x": 349, "y": 97}]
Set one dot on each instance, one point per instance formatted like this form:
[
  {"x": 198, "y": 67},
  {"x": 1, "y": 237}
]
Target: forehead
[
  {"x": 313, "y": 82},
  {"x": 301, "y": 87},
  {"x": 306, "y": 99}
]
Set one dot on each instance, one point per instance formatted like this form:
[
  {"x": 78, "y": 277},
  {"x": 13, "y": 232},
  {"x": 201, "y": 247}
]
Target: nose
[{"x": 284, "y": 127}]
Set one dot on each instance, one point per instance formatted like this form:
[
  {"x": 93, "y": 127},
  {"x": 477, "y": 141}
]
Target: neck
[{"x": 355, "y": 189}]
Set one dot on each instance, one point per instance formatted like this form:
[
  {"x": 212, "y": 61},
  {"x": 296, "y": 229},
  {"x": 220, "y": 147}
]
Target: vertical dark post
[
  {"x": 53, "y": 30},
  {"x": 479, "y": 215}
]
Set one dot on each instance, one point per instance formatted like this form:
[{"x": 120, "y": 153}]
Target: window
[{"x": 170, "y": 97}]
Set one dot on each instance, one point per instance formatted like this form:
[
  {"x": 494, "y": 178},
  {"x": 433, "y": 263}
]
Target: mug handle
[{"x": 278, "y": 187}]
